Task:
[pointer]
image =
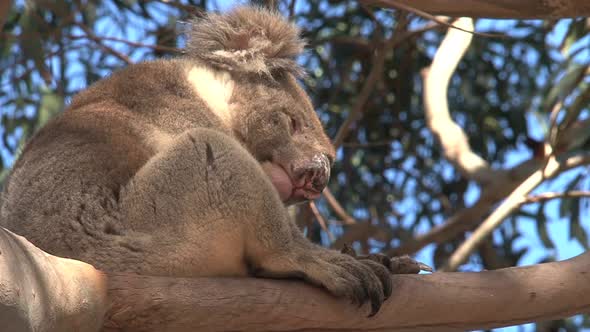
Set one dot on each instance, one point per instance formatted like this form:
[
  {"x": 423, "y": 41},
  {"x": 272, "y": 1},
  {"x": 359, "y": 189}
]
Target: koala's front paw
[
  {"x": 358, "y": 280},
  {"x": 396, "y": 265}
]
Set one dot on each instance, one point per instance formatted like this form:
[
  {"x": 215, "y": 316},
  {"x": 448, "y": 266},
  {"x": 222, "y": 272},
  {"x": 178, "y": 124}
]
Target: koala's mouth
[{"x": 289, "y": 190}]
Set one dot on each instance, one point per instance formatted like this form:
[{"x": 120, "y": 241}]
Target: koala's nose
[{"x": 316, "y": 174}]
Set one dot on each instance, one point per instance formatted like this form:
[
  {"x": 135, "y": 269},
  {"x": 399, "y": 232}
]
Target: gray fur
[
  {"x": 140, "y": 175},
  {"x": 245, "y": 41}
]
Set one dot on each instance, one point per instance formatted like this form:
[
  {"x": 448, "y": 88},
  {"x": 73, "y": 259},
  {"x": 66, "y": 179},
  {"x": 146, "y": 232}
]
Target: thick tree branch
[
  {"x": 496, "y": 184},
  {"x": 451, "y": 136},
  {"x": 420, "y": 302},
  {"x": 45, "y": 293},
  {"x": 521, "y": 9}
]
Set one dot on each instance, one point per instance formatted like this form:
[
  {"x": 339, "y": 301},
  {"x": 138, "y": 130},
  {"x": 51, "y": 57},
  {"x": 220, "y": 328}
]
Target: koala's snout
[{"x": 315, "y": 174}]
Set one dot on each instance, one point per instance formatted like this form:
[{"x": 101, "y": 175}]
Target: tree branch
[
  {"x": 4, "y": 10},
  {"x": 338, "y": 208},
  {"x": 468, "y": 218},
  {"x": 321, "y": 220},
  {"x": 521, "y": 9},
  {"x": 451, "y": 136},
  {"x": 438, "y": 302},
  {"x": 518, "y": 197},
  {"x": 363, "y": 97},
  {"x": 98, "y": 41},
  {"x": 374, "y": 77},
  {"x": 156, "y": 47},
  {"x": 496, "y": 184},
  {"x": 556, "y": 195},
  {"x": 45, "y": 293},
  {"x": 512, "y": 202}
]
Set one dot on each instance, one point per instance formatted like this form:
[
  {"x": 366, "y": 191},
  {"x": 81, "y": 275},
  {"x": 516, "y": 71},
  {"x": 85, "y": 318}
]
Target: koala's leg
[
  {"x": 359, "y": 280},
  {"x": 213, "y": 211}
]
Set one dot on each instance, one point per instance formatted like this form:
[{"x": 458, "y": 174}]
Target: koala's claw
[
  {"x": 424, "y": 267},
  {"x": 396, "y": 265},
  {"x": 383, "y": 274},
  {"x": 361, "y": 281},
  {"x": 362, "y": 278},
  {"x": 407, "y": 265}
]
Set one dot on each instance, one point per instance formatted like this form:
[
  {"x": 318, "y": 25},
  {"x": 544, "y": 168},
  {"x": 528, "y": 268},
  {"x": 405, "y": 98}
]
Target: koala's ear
[{"x": 247, "y": 40}]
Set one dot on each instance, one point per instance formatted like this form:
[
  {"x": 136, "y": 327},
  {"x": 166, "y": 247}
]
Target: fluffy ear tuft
[{"x": 247, "y": 40}]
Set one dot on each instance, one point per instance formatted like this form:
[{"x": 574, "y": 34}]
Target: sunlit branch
[
  {"x": 513, "y": 201},
  {"x": 521, "y": 9},
  {"x": 556, "y": 195},
  {"x": 451, "y": 136}
]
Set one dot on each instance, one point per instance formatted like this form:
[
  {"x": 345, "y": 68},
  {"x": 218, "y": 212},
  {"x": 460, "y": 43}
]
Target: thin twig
[
  {"x": 400, "y": 6},
  {"x": 363, "y": 97},
  {"x": 549, "y": 146},
  {"x": 321, "y": 220},
  {"x": 292, "y": 9},
  {"x": 333, "y": 202},
  {"x": 132, "y": 43},
  {"x": 357, "y": 145},
  {"x": 468, "y": 218},
  {"x": 555, "y": 195},
  {"x": 374, "y": 76},
  {"x": 97, "y": 40}
]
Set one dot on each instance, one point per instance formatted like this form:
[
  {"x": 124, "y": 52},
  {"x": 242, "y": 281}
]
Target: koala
[{"x": 184, "y": 167}]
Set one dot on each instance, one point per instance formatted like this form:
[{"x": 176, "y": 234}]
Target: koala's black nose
[{"x": 317, "y": 173}]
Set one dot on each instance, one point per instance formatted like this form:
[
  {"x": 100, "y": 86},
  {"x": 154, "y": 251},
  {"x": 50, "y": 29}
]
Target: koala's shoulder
[{"x": 137, "y": 84}]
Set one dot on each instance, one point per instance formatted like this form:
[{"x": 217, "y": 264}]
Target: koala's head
[
  {"x": 250, "y": 82},
  {"x": 279, "y": 126}
]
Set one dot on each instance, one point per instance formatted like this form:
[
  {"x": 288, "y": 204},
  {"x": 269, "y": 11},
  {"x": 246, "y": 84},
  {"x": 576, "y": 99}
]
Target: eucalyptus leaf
[
  {"x": 542, "y": 231},
  {"x": 574, "y": 75},
  {"x": 566, "y": 205},
  {"x": 51, "y": 104},
  {"x": 572, "y": 113},
  {"x": 577, "y": 29}
]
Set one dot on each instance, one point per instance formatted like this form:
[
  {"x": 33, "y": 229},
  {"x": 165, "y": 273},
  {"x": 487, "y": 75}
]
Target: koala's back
[{"x": 63, "y": 192}]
